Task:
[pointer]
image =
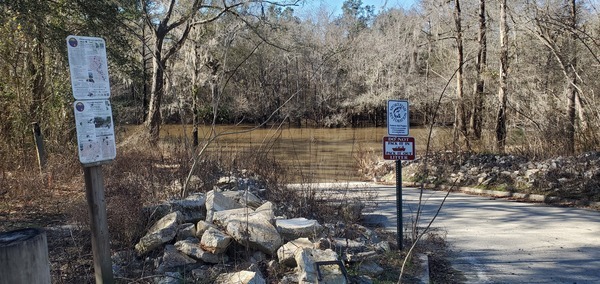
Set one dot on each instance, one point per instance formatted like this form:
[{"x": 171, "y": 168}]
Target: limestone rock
[
  {"x": 287, "y": 252},
  {"x": 291, "y": 229},
  {"x": 267, "y": 210},
  {"x": 191, "y": 247},
  {"x": 192, "y": 208},
  {"x": 242, "y": 277},
  {"x": 185, "y": 231},
  {"x": 213, "y": 258},
  {"x": 244, "y": 198},
  {"x": 255, "y": 232},
  {"x": 163, "y": 231},
  {"x": 307, "y": 271},
  {"x": 214, "y": 241},
  {"x": 201, "y": 227},
  {"x": 216, "y": 201},
  {"x": 221, "y": 218},
  {"x": 345, "y": 244},
  {"x": 173, "y": 260},
  {"x": 370, "y": 267}
]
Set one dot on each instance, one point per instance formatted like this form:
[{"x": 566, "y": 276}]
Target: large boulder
[
  {"x": 163, "y": 231},
  {"x": 216, "y": 201},
  {"x": 307, "y": 269},
  {"x": 242, "y": 277},
  {"x": 256, "y": 232},
  {"x": 286, "y": 253},
  {"x": 291, "y": 229},
  {"x": 214, "y": 241}
]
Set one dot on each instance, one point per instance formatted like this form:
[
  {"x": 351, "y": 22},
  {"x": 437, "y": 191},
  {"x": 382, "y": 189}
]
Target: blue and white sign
[{"x": 397, "y": 118}]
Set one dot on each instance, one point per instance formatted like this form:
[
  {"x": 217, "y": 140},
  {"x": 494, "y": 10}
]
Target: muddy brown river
[{"x": 315, "y": 154}]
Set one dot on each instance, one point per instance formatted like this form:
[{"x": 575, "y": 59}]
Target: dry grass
[
  {"x": 137, "y": 177},
  {"x": 140, "y": 177}
]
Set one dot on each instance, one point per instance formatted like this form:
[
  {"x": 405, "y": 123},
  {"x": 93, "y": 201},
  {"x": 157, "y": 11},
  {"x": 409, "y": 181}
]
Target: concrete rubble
[{"x": 237, "y": 226}]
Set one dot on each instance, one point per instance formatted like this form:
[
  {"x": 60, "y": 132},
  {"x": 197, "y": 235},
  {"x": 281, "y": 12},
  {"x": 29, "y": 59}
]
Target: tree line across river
[{"x": 520, "y": 71}]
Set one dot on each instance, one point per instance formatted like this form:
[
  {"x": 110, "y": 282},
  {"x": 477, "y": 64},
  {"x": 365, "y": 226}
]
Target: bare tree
[
  {"x": 460, "y": 125},
  {"x": 163, "y": 27},
  {"x": 480, "y": 65},
  {"x": 572, "y": 79},
  {"x": 502, "y": 89},
  {"x": 550, "y": 30}
]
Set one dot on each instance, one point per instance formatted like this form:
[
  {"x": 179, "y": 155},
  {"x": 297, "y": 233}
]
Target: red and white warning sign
[{"x": 398, "y": 148}]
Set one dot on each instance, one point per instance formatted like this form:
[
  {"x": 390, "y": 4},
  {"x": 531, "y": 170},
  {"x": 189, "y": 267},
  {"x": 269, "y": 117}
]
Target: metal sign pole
[
  {"x": 398, "y": 146},
  {"x": 399, "y": 233},
  {"x": 94, "y": 189}
]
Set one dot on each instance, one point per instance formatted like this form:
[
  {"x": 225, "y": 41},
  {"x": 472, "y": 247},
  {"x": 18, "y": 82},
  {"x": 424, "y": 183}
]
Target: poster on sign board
[
  {"x": 95, "y": 131},
  {"x": 89, "y": 67}
]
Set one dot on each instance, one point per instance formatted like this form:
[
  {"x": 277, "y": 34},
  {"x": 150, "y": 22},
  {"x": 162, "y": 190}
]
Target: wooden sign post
[
  {"x": 94, "y": 191},
  {"x": 95, "y": 137}
]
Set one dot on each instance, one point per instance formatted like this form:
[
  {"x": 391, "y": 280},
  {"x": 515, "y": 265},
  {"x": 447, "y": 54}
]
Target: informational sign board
[
  {"x": 89, "y": 67},
  {"x": 397, "y": 118},
  {"x": 398, "y": 148},
  {"x": 91, "y": 89},
  {"x": 95, "y": 131}
]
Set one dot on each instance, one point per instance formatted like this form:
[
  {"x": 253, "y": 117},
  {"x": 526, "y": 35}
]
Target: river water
[{"x": 314, "y": 154}]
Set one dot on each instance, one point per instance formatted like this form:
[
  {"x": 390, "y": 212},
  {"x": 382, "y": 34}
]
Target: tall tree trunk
[
  {"x": 36, "y": 65},
  {"x": 476, "y": 115},
  {"x": 461, "y": 119},
  {"x": 572, "y": 82},
  {"x": 153, "y": 120},
  {"x": 213, "y": 64},
  {"x": 160, "y": 57},
  {"x": 501, "y": 117},
  {"x": 195, "y": 94},
  {"x": 144, "y": 74}
]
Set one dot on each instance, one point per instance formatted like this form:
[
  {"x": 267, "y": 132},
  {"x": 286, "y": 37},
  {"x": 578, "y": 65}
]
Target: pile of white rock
[{"x": 200, "y": 237}]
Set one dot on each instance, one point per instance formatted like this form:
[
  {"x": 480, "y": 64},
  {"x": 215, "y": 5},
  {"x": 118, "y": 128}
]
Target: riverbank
[
  {"x": 564, "y": 180},
  {"x": 138, "y": 179}
]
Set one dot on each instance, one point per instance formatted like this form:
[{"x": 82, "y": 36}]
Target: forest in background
[{"x": 498, "y": 71}]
